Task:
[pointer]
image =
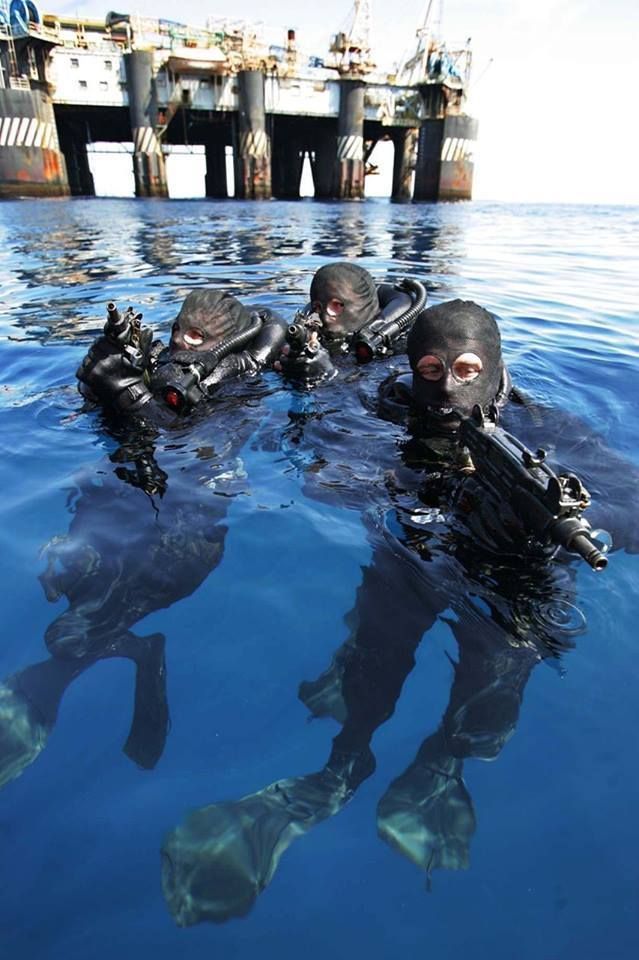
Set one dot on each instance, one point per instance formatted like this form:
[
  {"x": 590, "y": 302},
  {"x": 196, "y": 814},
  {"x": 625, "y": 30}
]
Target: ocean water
[{"x": 553, "y": 868}]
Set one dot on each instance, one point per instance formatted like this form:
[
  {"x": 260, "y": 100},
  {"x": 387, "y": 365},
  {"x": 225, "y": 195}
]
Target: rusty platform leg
[
  {"x": 405, "y": 142},
  {"x": 445, "y": 159},
  {"x": 253, "y": 157},
  {"x": 148, "y": 161},
  {"x": 348, "y": 174},
  {"x": 457, "y": 158},
  {"x": 31, "y": 162}
]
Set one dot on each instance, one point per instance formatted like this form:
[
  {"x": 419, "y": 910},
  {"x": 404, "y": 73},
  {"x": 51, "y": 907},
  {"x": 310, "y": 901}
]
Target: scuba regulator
[
  {"x": 377, "y": 338},
  {"x": 185, "y": 378}
]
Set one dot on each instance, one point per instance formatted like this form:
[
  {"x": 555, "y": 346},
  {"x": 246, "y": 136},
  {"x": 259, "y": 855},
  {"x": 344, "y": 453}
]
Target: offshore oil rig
[{"x": 67, "y": 83}]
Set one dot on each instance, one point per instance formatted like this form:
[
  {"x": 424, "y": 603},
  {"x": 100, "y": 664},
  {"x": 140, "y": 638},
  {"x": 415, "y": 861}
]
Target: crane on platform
[
  {"x": 432, "y": 60},
  {"x": 351, "y": 46},
  {"x": 414, "y": 68}
]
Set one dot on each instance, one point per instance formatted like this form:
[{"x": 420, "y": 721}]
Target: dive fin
[{"x": 150, "y": 723}]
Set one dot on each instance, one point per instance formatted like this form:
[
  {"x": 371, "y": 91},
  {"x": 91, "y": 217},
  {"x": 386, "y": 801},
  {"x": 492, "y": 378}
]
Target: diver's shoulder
[
  {"x": 271, "y": 317},
  {"x": 395, "y": 397}
]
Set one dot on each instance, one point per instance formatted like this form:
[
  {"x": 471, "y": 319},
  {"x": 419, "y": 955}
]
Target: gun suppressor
[{"x": 572, "y": 534}]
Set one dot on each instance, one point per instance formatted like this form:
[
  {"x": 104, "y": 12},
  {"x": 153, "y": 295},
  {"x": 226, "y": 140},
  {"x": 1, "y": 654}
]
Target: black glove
[
  {"x": 112, "y": 376},
  {"x": 232, "y": 366},
  {"x": 309, "y": 365}
]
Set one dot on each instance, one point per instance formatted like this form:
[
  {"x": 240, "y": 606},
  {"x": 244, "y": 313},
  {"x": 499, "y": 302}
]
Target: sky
[{"x": 554, "y": 83}]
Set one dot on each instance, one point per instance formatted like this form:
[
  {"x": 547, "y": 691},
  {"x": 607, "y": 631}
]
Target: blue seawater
[{"x": 553, "y": 871}]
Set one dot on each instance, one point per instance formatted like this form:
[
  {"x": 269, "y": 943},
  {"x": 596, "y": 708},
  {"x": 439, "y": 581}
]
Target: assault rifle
[{"x": 549, "y": 507}]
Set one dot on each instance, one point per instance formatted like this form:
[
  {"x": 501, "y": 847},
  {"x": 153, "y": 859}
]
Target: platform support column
[
  {"x": 348, "y": 174},
  {"x": 322, "y": 164},
  {"x": 149, "y": 169},
  {"x": 253, "y": 155},
  {"x": 215, "y": 184},
  {"x": 31, "y": 162},
  {"x": 428, "y": 160},
  {"x": 405, "y": 142},
  {"x": 74, "y": 138},
  {"x": 287, "y": 172},
  {"x": 288, "y": 160},
  {"x": 457, "y": 158},
  {"x": 445, "y": 164}
]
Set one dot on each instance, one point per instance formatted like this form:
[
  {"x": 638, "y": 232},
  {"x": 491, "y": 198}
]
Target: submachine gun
[
  {"x": 549, "y": 507},
  {"x": 302, "y": 336},
  {"x": 125, "y": 331},
  {"x": 307, "y": 360}
]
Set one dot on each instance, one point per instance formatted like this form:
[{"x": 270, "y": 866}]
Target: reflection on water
[{"x": 215, "y": 565}]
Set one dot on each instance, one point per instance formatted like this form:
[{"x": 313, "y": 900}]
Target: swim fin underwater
[
  {"x": 30, "y": 701},
  {"x": 215, "y": 864}
]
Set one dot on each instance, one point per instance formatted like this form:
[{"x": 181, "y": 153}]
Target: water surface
[{"x": 553, "y": 864}]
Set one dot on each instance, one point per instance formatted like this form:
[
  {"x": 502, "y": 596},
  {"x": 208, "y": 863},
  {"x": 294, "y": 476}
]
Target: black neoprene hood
[
  {"x": 217, "y": 313},
  {"x": 354, "y": 287},
  {"x": 447, "y": 331}
]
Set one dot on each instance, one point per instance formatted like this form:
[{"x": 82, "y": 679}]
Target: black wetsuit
[
  {"x": 440, "y": 551},
  {"x": 148, "y": 393},
  {"x": 318, "y": 364},
  {"x": 434, "y": 558},
  {"x": 127, "y": 555}
]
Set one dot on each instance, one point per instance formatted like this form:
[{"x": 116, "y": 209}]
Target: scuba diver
[
  {"x": 127, "y": 555},
  {"x": 451, "y": 543},
  {"x": 348, "y": 314},
  {"x": 214, "y": 338}
]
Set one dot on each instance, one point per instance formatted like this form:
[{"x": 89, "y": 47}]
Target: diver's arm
[
  {"x": 135, "y": 459},
  {"x": 117, "y": 368},
  {"x": 106, "y": 376},
  {"x": 106, "y": 379}
]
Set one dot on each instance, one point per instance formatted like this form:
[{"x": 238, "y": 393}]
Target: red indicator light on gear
[
  {"x": 363, "y": 353},
  {"x": 173, "y": 399}
]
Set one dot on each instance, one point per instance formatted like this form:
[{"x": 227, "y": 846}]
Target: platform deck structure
[{"x": 66, "y": 84}]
